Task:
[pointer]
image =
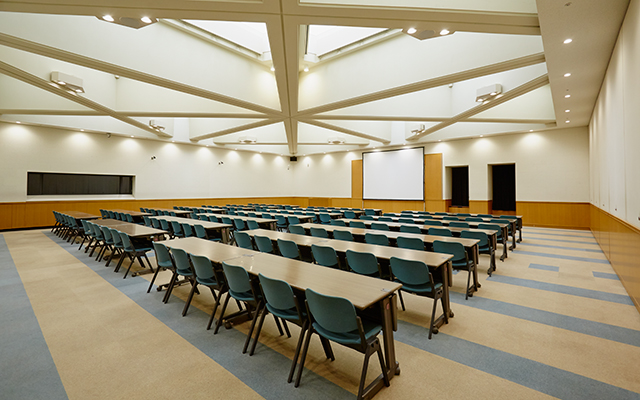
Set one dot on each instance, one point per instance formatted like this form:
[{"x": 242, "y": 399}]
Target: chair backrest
[
  {"x": 237, "y": 278},
  {"x": 319, "y": 232},
  {"x": 277, "y": 293},
  {"x": 115, "y": 235},
  {"x": 163, "y": 258},
  {"x": 252, "y": 214},
  {"x": 410, "y": 272},
  {"x": 511, "y": 217},
  {"x": 112, "y": 215},
  {"x": 481, "y": 236},
  {"x": 186, "y": 229},
  {"x": 410, "y": 243},
  {"x": 147, "y": 220},
  {"x": 372, "y": 238},
  {"x": 450, "y": 218},
  {"x": 385, "y": 219},
  {"x": 363, "y": 263},
  {"x": 369, "y": 211},
  {"x": 427, "y": 216},
  {"x": 126, "y": 242},
  {"x": 176, "y": 227},
  {"x": 433, "y": 222},
  {"x": 349, "y": 214},
  {"x": 129, "y": 218},
  {"x": 357, "y": 224},
  {"x": 239, "y": 224},
  {"x": 502, "y": 221},
  {"x": 288, "y": 249},
  {"x": 181, "y": 259},
  {"x": 251, "y": 224},
  {"x": 463, "y": 214},
  {"x": 367, "y": 217},
  {"x": 297, "y": 229},
  {"x": 281, "y": 221},
  {"x": 439, "y": 232},
  {"x": 243, "y": 240},
  {"x": 440, "y": 213},
  {"x": 410, "y": 229},
  {"x": 485, "y": 215},
  {"x": 459, "y": 224},
  {"x": 379, "y": 226},
  {"x": 212, "y": 218},
  {"x": 264, "y": 244},
  {"x": 492, "y": 227},
  {"x": 343, "y": 235},
  {"x": 325, "y": 218},
  {"x": 455, "y": 249},
  {"x": 203, "y": 267},
  {"x": 200, "y": 231},
  {"x": 203, "y": 217},
  {"x": 334, "y": 314},
  {"x": 474, "y": 219},
  {"x": 293, "y": 220},
  {"x": 227, "y": 220},
  {"x": 338, "y": 222},
  {"x": 406, "y": 220},
  {"x": 106, "y": 233},
  {"x": 325, "y": 256}
]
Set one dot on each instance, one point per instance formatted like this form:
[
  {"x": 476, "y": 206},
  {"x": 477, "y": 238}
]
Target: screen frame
[{"x": 385, "y": 151}]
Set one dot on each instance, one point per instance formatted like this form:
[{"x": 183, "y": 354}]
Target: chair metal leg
[
  {"x": 363, "y": 374},
  {"x": 304, "y": 356},
  {"x": 278, "y": 325},
  {"x": 253, "y": 325},
  {"x": 133, "y": 259},
  {"x": 153, "y": 279},
  {"x": 433, "y": 316},
  {"x": 224, "y": 308},
  {"x": 383, "y": 365},
  {"x": 466, "y": 297},
  {"x": 172, "y": 283},
  {"x": 258, "y": 330},
  {"x": 328, "y": 351},
  {"x": 215, "y": 307},
  {"x": 188, "y": 302},
  {"x": 286, "y": 328},
  {"x": 401, "y": 300},
  {"x": 294, "y": 362}
]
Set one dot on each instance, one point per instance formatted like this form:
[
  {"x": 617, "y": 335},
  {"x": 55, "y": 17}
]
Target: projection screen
[{"x": 393, "y": 175}]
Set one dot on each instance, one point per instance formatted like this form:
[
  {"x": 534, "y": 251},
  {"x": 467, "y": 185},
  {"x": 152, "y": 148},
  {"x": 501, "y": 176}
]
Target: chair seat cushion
[
  {"x": 206, "y": 281},
  {"x": 461, "y": 264},
  {"x": 242, "y": 296},
  {"x": 290, "y": 314},
  {"x": 419, "y": 288},
  {"x": 371, "y": 329},
  {"x": 184, "y": 272},
  {"x": 165, "y": 264}
]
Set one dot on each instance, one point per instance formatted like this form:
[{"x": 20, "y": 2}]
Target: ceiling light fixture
[
  {"x": 131, "y": 22},
  {"x": 108, "y": 18},
  {"x": 306, "y": 69},
  {"x": 567, "y": 41},
  {"x": 444, "y": 32},
  {"x": 156, "y": 125},
  {"x": 131, "y": 135},
  {"x": 487, "y": 93},
  {"x": 481, "y": 135},
  {"x": 273, "y": 69},
  {"x": 336, "y": 140},
  {"x": 566, "y": 96},
  {"x": 247, "y": 139},
  {"x": 18, "y": 122},
  {"x": 567, "y": 121},
  {"x": 146, "y": 20},
  {"x": 568, "y": 74},
  {"x": 81, "y": 130},
  {"x": 567, "y": 110},
  {"x": 411, "y": 31},
  {"x": 68, "y": 81}
]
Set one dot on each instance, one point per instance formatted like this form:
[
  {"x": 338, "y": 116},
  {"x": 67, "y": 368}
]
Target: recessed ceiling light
[
  {"x": 306, "y": 69},
  {"x": 81, "y": 130},
  {"x": 567, "y": 121},
  {"x": 566, "y": 96},
  {"x": 273, "y": 69},
  {"x": 131, "y": 135},
  {"x": 411, "y": 31},
  {"x": 146, "y": 20},
  {"x": 481, "y": 135},
  {"x": 108, "y": 18},
  {"x": 567, "y": 110},
  {"x": 18, "y": 122},
  {"x": 568, "y": 74},
  {"x": 440, "y": 140},
  {"x": 173, "y": 141},
  {"x": 444, "y": 32},
  {"x": 567, "y": 41},
  {"x": 530, "y": 130}
]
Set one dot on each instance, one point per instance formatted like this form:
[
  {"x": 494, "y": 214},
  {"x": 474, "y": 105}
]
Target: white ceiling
[{"x": 218, "y": 73}]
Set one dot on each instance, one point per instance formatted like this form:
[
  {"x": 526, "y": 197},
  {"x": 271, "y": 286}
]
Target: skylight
[
  {"x": 252, "y": 35},
  {"x": 325, "y": 38}
]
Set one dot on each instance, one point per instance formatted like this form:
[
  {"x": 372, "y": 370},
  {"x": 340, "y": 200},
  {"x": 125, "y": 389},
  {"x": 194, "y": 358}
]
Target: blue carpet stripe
[
  {"x": 564, "y": 289},
  {"x": 559, "y": 240},
  {"x": 266, "y": 372},
  {"x": 532, "y": 374},
  {"x": 605, "y": 275},
  {"x": 562, "y": 235},
  {"x": 584, "y": 326},
  {"x": 544, "y": 267},
  {"x": 562, "y": 247},
  {"x": 563, "y": 257},
  {"x": 28, "y": 370},
  {"x": 531, "y": 229}
]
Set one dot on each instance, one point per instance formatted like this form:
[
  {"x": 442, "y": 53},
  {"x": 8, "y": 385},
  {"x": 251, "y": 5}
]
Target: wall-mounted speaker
[{"x": 293, "y": 159}]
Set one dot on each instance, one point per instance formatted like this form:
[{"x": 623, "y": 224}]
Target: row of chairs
[
  {"x": 179, "y": 229},
  {"x": 108, "y": 214}
]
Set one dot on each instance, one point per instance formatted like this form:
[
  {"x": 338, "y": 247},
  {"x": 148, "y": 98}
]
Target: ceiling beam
[
  {"x": 426, "y": 119},
  {"x": 509, "y": 95},
  {"x": 63, "y": 55},
  {"x": 235, "y": 129},
  {"x": 344, "y": 130},
  {"x": 428, "y": 84},
  {"x": 38, "y": 82}
]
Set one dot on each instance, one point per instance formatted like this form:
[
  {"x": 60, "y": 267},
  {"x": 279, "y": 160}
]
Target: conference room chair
[
  {"x": 367, "y": 217},
  {"x": 319, "y": 232},
  {"x": 239, "y": 224},
  {"x": 432, "y": 222},
  {"x": 485, "y": 215},
  {"x": 251, "y": 224},
  {"x": 474, "y": 219},
  {"x": 103, "y": 213},
  {"x": 426, "y": 216},
  {"x": 483, "y": 244},
  {"x": 176, "y": 228},
  {"x": 439, "y": 232},
  {"x": 147, "y": 221},
  {"x": 266, "y": 216},
  {"x": 129, "y": 218},
  {"x": 297, "y": 229},
  {"x": 406, "y": 221},
  {"x": 450, "y": 218},
  {"x": 112, "y": 215},
  {"x": 460, "y": 260},
  {"x": 182, "y": 269},
  {"x": 335, "y": 319},
  {"x": 459, "y": 224},
  {"x": 243, "y": 240},
  {"x": 264, "y": 244},
  {"x": 108, "y": 243},
  {"x": 325, "y": 256},
  {"x": 410, "y": 229},
  {"x": 203, "y": 217},
  {"x": 343, "y": 235},
  {"x": 98, "y": 237},
  {"x": 288, "y": 249},
  {"x": 86, "y": 233},
  {"x": 314, "y": 217},
  {"x": 349, "y": 214},
  {"x": 118, "y": 248},
  {"x": 357, "y": 224},
  {"x": 385, "y": 219},
  {"x": 242, "y": 213},
  {"x": 464, "y": 215},
  {"x": 164, "y": 261},
  {"x": 206, "y": 275},
  {"x": 155, "y": 223},
  {"x": 134, "y": 252},
  {"x": 411, "y": 243},
  {"x": 440, "y": 213},
  {"x": 369, "y": 211},
  {"x": 363, "y": 263},
  {"x": 298, "y": 212},
  {"x": 186, "y": 230},
  {"x": 499, "y": 238},
  {"x": 504, "y": 221},
  {"x": 416, "y": 279},
  {"x": 338, "y": 222},
  {"x": 281, "y": 223},
  {"x": 293, "y": 220},
  {"x": 252, "y": 215},
  {"x": 373, "y": 238},
  {"x": 380, "y": 227},
  {"x": 212, "y": 218},
  {"x": 324, "y": 218}
]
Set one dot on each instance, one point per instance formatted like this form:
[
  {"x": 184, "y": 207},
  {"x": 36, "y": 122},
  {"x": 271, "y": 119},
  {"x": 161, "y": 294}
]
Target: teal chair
[
  {"x": 324, "y": 218},
  {"x": 203, "y": 217},
  {"x": 410, "y": 229},
  {"x": 251, "y": 225},
  {"x": 243, "y": 240},
  {"x": 459, "y": 224},
  {"x": 163, "y": 261},
  {"x": 432, "y": 222},
  {"x": 335, "y": 319},
  {"x": 464, "y": 215},
  {"x": 288, "y": 249},
  {"x": 483, "y": 246},
  {"x": 343, "y": 235},
  {"x": 440, "y": 213},
  {"x": 450, "y": 218},
  {"x": 263, "y": 244},
  {"x": 460, "y": 260},
  {"x": 239, "y": 224},
  {"x": 369, "y": 211},
  {"x": 363, "y": 263},
  {"x": 281, "y": 223},
  {"x": 147, "y": 220},
  {"x": 266, "y": 216},
  {"x": 293, "y": 220},
  {"x": 118, "y": 248},
  {"x": 440, "y": 232},
  {"x": 186, "y": 230},
  {"x": 357, "y": 224},
  {"x": 485, "y": 215},
  {"x": 213, "y": 218},
  {"x": 499, "y": 237},
  {"x": 367, "y": 217},
  {"x": 134, "y": 252},
  {"x": 325, "y": 256},
  {"x": 297, "y": 229},
  {"x": 373, "y": 238},
  {"x": 281, "y": 302},
  {"x": 385, "y": 219},
  {"x": 411, "y": 243},
  {"x": 338, "y": 222},
  {"x": 206, "y": 275},
  {"x": 474, "y": 219},
  {"x": 349, "y": 214},
  {"x": 108, "y": 241},
  {"x": 319, "y": 232},
  {"x": 380, "y": 227},
  {"x": 406, "y": 221},
  {"x": 176, "y": 228},
  {"x": 416, "y": 279}
]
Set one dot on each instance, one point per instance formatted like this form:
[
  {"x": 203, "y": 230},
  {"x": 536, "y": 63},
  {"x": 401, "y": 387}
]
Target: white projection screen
[{"x": 393, "y": 175}]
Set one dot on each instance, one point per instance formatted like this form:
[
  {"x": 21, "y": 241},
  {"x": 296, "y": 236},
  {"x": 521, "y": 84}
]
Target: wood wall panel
[
  {"x": 433, "y": 177},
  {"x": 395, "y": 205},
  {"x": 356, "y": 179},
  {"x": 480, "y": 206},
  {"x": 620, "y": 243},
  {"x": 555, "y": 215},
  {"x": 459, "y": 209}
]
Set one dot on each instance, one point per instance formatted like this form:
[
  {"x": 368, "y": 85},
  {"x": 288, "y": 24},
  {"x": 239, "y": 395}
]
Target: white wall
[{"x": 615, "y": 126}]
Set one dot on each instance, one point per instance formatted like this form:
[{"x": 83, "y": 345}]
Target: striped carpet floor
[{"x": 552, "y": 322}]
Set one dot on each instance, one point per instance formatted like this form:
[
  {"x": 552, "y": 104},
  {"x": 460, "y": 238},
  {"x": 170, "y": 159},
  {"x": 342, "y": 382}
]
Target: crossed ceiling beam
[{"x": 235, "y": 129}]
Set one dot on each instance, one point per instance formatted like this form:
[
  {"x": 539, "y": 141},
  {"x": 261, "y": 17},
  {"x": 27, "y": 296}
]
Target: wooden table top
[
  {"x": 394, "y": 235},
  {"x": 80, "y": 215},
  {"x": 292, "y": 212},
  {"x": 110, "y": 222},
  {"x": 173, "y": 210},
  {"x": 384, "y": 252},
  {"x": 444, "y": 221},
  {"x": 130, "y": 212},
  {"x": 258, "y": 220},
  {"x": 133, "y": 230},
  {"x": 425, "y": 227},
  {"x": 191, "y": 221}
]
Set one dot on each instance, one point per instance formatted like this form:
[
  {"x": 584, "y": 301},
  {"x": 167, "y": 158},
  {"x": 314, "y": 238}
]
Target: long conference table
[
  {"x": 372, "y": 296},
  {"x": 209, "y": 226},
  {"x": 262, "y": 222}
]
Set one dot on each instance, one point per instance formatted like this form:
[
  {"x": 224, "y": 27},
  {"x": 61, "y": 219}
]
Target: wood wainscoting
[
  {"x": 554, "y": 214},
  {"x": 619, "y": 241}
]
